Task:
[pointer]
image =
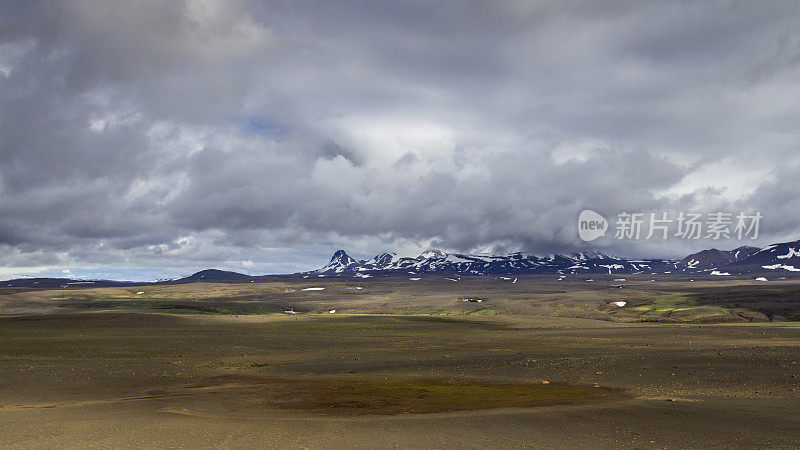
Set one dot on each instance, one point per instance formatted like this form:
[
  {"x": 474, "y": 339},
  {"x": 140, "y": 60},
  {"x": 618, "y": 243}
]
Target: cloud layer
[{"x": 142, "y": 139}]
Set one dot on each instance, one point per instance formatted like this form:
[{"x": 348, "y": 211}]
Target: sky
[{"x": 148, "y": 139}]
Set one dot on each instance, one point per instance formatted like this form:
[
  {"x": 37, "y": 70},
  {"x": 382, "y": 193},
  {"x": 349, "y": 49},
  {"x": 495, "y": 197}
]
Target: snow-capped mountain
[
  {"x": 340, "y": 262},
  {"x": 591, "y": 254},
  {"x": 782, "y": 257},
  {"x": 713, "y": 259},
  {"x": 437, "y": 261}
]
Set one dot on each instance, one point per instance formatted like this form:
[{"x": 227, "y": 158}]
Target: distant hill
[
  {"x": 57, "y": 283},
  {"x": 65, "y": 283},
  {"x": 213, "y": 275}
]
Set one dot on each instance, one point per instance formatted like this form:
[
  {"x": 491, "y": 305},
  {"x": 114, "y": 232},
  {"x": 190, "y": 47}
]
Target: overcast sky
[{"x": 151, "y": 139}]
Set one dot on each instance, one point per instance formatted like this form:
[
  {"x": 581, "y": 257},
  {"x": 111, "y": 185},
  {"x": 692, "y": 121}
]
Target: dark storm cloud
[{"x": 245, "y": 135}]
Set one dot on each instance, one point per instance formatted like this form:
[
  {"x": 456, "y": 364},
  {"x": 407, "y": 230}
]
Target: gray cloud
[{"x": 261, "y": 136}]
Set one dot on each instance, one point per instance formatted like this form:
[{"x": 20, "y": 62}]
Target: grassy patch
[
  {"x": 392, "y": 396},
  {"x": 14, "y": 290},
  {"x": 673, "y": 307}
]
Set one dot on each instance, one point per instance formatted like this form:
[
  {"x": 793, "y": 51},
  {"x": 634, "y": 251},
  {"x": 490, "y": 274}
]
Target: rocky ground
[{"x": 113, "y": 378}]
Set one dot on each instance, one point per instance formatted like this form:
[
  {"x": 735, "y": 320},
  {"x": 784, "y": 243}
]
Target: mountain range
[
  {"x": 712, "y": 261},
  {"x": 781, "y": 258}
]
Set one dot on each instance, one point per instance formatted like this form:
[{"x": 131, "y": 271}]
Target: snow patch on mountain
[{"x": 791, "y": 254}]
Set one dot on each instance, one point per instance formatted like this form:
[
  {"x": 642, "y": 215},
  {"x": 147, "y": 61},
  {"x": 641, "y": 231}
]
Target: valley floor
[{"x": 133, "y": 379}]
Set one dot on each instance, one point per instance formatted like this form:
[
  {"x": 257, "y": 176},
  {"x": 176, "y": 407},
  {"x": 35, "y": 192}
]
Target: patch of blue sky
[{"x": 264, "y": 126}]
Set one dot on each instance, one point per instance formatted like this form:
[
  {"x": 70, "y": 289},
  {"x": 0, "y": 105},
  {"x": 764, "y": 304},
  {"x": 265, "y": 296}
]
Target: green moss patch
[{"x": 393, "y": 396}]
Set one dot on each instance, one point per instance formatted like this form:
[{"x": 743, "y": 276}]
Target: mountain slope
[
  {"x": 713, "y": 258},
  {"x": 782, "y": 257}
]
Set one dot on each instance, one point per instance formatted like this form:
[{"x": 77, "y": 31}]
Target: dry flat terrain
[{"x": 400, "y": 363}]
